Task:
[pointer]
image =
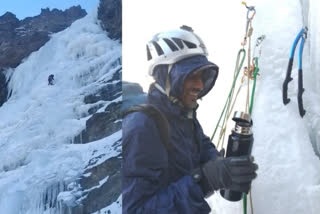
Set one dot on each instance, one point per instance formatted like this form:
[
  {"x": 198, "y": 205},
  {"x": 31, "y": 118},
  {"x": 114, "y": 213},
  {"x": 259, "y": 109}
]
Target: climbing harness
[{"x": 303, "y": 36}]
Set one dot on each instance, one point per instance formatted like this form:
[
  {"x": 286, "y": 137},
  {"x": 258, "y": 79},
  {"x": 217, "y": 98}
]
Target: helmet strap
[{"x": 168, "y": 85}]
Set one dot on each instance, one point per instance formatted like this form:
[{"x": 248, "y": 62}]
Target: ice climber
[
  {"x": 175, "y": 179},
  {"x": 51, "y": 79}
]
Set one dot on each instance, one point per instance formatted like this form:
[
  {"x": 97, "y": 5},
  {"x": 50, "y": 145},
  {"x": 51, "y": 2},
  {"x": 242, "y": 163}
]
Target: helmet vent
[
  {"x": 148, "y": 53},
  {"x": 178, "y": 42},
  {"x": 167, "y": 48},
  {"x": 171, "y": 45},
  {"x": 158, "y": 48},
  {"x": 190, "y": 44}
]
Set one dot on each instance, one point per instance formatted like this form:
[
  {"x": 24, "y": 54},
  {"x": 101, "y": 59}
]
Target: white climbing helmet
[{"x": 172, "y": 46}]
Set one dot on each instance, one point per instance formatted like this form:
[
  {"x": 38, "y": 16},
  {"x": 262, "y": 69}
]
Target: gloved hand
[{"x": 233, "y": 173}]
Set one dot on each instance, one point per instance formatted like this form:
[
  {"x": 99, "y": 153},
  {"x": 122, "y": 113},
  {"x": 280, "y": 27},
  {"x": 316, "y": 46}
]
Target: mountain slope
[{"x": 41, "y": 171}]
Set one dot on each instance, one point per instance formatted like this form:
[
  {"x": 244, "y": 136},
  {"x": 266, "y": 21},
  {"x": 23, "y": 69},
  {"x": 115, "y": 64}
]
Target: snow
[
  {"x": 114, "y": 208},
  {"x": 38, "y": 123},
  {"x": 285, "y": 145}
]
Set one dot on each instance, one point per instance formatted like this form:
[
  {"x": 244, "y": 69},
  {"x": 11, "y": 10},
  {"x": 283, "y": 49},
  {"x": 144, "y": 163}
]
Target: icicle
[{"x": 81, "y": 137}]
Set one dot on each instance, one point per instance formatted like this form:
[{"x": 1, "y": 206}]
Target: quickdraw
[
  {"x": 301, "y": 35},
  {"x": 253, "y": 67}
]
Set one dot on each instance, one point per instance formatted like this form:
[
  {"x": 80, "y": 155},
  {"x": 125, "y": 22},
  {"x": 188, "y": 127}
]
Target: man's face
[{"x": 192, "y": 86}]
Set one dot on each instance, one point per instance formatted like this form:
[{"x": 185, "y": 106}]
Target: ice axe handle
[
  {"x": 285, "y": 98},
  {"x": 302, "y": 111}
]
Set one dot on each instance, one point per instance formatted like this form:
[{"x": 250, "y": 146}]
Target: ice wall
[
  {"x": 285, "y": 145},
  {"x": 313, "y": 74},
  {"x": 39, "y": 122}
]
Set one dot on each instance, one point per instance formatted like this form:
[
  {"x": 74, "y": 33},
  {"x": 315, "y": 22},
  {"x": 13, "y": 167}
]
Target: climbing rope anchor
[{"x": 248, "y": 31}]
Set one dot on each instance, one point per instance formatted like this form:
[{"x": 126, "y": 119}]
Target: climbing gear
[
  {"x": 256, "y": 67},
  {"x": 248, "y": 31},
  {"x": 258, "y": 44},
  {"x": 226, "y": 109},
  {"x": 255, "y": 73},
  {"x": 158, "y": 117},
  {"x": 250, "y": 73},
  {"x": 172, "y": 46},
  {"x": 301, "y": 35},
  {"x": 252, "y": 10}
]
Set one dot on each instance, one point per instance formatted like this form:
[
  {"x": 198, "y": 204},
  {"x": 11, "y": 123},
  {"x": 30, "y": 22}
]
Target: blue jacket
[{"x": 157, "y": 180}]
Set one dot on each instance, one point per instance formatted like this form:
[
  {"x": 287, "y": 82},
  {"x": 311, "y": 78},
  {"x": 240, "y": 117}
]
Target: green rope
[
  {"x": 232, "y": 87},
  {"x": 244, "y": 200},
  {"x": 229, "y": 99},
  {"x": 255, "y": 73}
]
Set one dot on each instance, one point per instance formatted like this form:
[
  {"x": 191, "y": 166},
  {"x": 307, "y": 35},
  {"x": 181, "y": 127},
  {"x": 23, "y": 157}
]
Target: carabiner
[
  {"x": 259, "y": 40},
  {"x": 250, "y": 8}
]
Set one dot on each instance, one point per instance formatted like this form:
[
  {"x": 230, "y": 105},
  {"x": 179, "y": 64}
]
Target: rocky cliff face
[
  {"x": 3, "y": 88},
  {"x": 102, "y": 124},
  {"x": 110, "y": 14},
  {"x": 20, "y": 38}
]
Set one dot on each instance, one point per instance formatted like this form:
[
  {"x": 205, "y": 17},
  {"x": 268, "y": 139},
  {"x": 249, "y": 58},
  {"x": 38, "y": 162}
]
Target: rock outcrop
[
  {"x": 101, "y": 124},
  {"x": 132, "y": 95},
  {"x": 110, "y": 15}
]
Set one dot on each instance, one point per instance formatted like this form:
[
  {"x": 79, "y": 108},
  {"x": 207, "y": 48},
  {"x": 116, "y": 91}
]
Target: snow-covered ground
[
  {"x": 38, "y": 122},
  {"x": 285, "y": 145}
]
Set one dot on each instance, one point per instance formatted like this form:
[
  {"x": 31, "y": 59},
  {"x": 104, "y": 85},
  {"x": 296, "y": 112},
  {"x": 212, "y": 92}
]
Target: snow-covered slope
[
  {"x": 285, "y": 145},
  {"x": 39, "y": 122}
]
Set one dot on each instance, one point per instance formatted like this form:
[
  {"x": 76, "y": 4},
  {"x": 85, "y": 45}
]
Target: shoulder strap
[{"x": 158, "y": 117}]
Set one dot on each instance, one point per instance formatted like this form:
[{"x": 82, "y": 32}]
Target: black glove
[{"x": 233, "y": 173}]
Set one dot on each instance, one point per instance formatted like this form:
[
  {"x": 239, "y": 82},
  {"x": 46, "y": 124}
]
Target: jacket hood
[{"x": 182, "y": 69}]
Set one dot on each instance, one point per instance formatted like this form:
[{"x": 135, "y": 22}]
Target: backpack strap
[{"x": 158, "y": 117}]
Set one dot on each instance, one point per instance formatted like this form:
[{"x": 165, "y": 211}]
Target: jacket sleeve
[
  {"x": 145, "y": 166},
  {"x": 208, "y": 150}
]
